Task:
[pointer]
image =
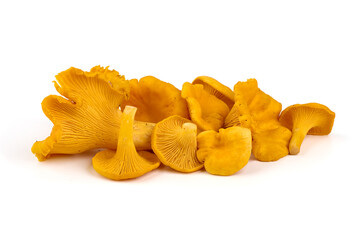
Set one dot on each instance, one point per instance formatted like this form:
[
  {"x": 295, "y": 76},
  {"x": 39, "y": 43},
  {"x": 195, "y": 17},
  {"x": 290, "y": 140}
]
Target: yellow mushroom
[
  {"x": 206, "y": 110},
  {"x": 271, "y": 145},
  {"x": 224, "y": 152},
  {"x": 89, "y": 115},
  {"x": 125, "y": 162},
  {"x": 259, "y": 112},
  {"x": 217, "y": 89},
  {"x": 303, "y": 119},
  {"x": 155, "y": 100},
  {"x": 174, "y": 142}
]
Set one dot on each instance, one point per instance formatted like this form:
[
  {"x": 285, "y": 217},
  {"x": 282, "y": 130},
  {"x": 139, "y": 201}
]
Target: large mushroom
[
  {"x": 217, "y": 89},
  {"x": 303, "y": 119},
  {"x": 206, "y": 110},
  {"x": 125, "y": 162},
  {"x": 89, "y": 115},
  {"x": 259, "y": 112},
  {"x": 174, "y": 142},
  {"x": 224, "y": 152},
  {"x": 155, "y": 100}
]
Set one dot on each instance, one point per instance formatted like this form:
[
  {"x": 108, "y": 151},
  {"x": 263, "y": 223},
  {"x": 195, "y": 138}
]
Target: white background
[{"x": 303, "y": 51}]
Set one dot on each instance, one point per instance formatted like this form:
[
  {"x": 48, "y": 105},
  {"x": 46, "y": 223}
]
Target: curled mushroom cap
[
  {"x": 89, "y": 115},
  {"x": 174, "y": 142},
  {"x": 217, "y": 89},
  {"x": 303, "y": 119},
  {"x": 115, "y": 80},
  {"x": 206, "y": 110},
  {"x": 258, "y": 111},
  {"x": 155, "y": 100},
  {"x": 271, "y": 145},
  {"x": 253, "y": 108},
  {"x": 224, "y": 152},
  {"x": 125, "y": 162}
]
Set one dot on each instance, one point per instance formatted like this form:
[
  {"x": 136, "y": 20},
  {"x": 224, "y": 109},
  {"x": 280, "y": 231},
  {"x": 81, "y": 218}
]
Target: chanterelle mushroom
[
  {"x": 224, "y": 152},
  {"x": 155, "y": 100},
  {"x": 258, "y": 111},
  {"x": 174, "y": 142},
  {"x": 206, "y": 110},
  {"x": 272, "y": 144},
  {"x": 217, "y": 89},
  {"x": 125, "y": 162},
  {"x": 303, "y": 119},
  {"x": 89, "y": 115}
]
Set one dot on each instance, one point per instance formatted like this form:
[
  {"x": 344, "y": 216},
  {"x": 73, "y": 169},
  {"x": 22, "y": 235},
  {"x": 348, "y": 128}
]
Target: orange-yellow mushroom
[
  {"x": 125, "y": 162},
  {"x": 271, "y": 145},
  {"x": 303, "y": 119},
  {"x": 206, "y": 110},
  {"x": 224, "y": 152},
  {"x": 174, "y": 142},
  {"x": 89, "y": 116},
  {"x": 259, "y": 112},
  {"x": 155, "y": 100}
]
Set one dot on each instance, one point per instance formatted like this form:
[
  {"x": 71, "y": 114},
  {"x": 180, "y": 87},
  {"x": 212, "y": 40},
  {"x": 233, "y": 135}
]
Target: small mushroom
[
  {"x": 217, "y": 89},
  {"x": 174, "y": 142},
  {"x": 125, "y": 162},
  {"x": 155, "y": 100},
  {"x": 303, "y": 119},
  {"x": 271, "y": 145},
  {"x": 88, "y": 116},
  {"x": 224, "y": 152},
  {"x": 206, "y": 110}
]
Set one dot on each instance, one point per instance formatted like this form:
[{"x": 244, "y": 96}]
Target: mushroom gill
[
  {"x": 88, "y": 116},
  {"x": 174, "y": 142}
]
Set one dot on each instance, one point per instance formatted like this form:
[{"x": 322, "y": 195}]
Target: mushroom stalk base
[{"x": 298, "y": 135}]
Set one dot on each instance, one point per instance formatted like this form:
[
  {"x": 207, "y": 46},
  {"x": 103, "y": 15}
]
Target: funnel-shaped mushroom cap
[
  {"x": 303, "y": 119},
  {"x": 206, "y": 110},
  {"x": 155, "y": 100},
  {"x": 226, "y": 152},
  {"x": 217, "y": 89},
  {"x": 174, "y": 142},
  {"x": 271, "y": 145},
  {"x": 125, "y": 162},
  {"x": 89, "y": 115}
]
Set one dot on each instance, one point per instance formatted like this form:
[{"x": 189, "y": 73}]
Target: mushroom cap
[
  {"x": 271, "y": 145},
  {"x": 264, "y": 110},
  {"x": 319, "y": 117},
  {"x": 125, "y": 162},
  {"x": 174, "y": 142},
  {"x": 206, "y": 110},
  {"x": 217, "y": 89},
  {"x": 224, "y": 152},
  {"x": 155, "y": 100}
]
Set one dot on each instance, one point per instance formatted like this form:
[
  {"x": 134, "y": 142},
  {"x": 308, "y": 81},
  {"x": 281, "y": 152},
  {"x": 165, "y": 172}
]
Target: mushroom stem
[
  {"x": 298, "y": 135},
  {"x": 126, "y": 130}
]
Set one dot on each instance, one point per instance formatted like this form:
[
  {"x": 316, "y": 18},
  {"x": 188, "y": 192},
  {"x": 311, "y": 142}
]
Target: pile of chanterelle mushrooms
[{"x": 144, "y": 123}]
